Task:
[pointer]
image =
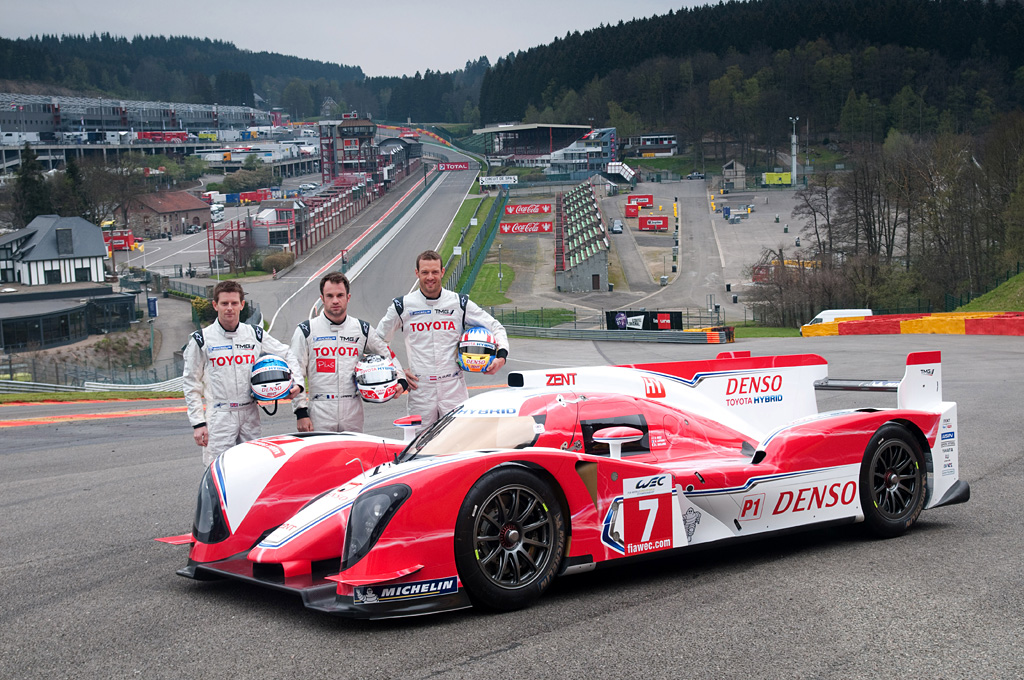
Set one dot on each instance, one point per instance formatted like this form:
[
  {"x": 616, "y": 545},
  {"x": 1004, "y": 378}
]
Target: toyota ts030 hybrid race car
[{"x": 567, "y": 470}]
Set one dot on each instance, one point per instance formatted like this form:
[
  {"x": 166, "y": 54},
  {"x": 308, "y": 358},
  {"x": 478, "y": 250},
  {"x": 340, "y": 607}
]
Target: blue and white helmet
[
  {"x": 271, "y": 379},
  {"x": 477, "y": 349}
]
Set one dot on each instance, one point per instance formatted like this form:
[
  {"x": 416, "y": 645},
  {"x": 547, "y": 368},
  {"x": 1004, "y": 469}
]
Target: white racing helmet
[
  {"x": 477, "y": 349},
  {"x": 271, "y": 379},
  {"x": 376, "y": 379}
]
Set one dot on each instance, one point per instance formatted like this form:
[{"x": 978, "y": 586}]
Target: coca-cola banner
[
  {"x": 640, "y": 199},
  {"x": 654, "y": 223},
  {"x": 442, "y": 167},
  {"x": 528, "y": 209},
  {"x": 526, "y": 227}
]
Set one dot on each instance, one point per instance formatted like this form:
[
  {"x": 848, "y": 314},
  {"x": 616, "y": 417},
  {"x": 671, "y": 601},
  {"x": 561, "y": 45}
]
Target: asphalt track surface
[{"x": 87, "y": 593}]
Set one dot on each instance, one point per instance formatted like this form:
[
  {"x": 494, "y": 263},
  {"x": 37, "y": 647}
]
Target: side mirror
[{"x": 616, "y": 436}]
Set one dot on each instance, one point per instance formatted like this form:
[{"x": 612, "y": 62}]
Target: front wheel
[
  {"x": 893, "y": 481},
  {"x": 509, "y": 539}
]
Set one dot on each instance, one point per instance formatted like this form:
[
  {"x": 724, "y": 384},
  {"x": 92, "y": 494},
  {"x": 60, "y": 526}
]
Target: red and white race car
[{"x": 568, "y": 470}]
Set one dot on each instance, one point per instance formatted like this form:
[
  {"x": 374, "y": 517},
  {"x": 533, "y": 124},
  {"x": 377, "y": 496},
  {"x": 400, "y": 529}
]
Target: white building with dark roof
[{"x": 52, "y": 250}]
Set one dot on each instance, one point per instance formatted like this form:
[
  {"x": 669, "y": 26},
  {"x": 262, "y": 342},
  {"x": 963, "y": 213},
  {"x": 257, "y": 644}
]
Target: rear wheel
[
  {"x": 893, "y": 481},
  {"x": 509, "y": 539}
]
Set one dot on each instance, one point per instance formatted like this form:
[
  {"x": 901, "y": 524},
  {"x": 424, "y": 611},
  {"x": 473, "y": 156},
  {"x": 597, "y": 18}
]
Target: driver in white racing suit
[
  {"x": 327, "y": 349},
  {"x": 218, "y": 366},
  {"x": 433, "y": 318}
]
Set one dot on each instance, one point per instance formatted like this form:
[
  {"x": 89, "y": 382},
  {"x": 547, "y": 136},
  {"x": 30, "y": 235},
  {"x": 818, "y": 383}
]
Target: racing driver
[
  {"x": 218, "y": 366},
  {"x": 432, "y": 319},
  {"x": 327, "y": 349}
]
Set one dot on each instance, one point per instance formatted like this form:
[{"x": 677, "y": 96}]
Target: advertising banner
[
  {"x": 526, "y": 227},
  {"x": 632, "y": 210},
  {"x": 645, "y": 200},
  {"x": 654, "y": 223},
  {"x": 528, "y": 209},
  {"x": 498, "y": 180},
  {"x": 444, "y": 167}
]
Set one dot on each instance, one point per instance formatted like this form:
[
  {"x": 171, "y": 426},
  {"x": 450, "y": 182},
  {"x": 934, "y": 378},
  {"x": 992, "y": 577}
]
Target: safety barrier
[
  {"x": 694, "y": 337},
  {"x": 19, "y": 386},
  {"x": 942, "y": 323}
]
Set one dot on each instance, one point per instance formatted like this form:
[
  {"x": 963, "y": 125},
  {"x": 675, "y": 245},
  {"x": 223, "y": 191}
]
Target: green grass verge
[
  {"x": 461, "y": 221},
  {"x": 30, "y": 397},
  {"x": 485, "y": 288},
  {"x": 1009, "y": 297},
  {"x": 543, "y": 318},
  {"x": 749, "y": 331},
  {"x": 239, "y": 275}
]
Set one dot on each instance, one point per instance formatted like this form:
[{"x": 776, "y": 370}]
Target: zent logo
[{"x": 555, "y": 379}]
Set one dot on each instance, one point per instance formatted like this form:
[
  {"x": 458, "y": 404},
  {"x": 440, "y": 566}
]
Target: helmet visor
[
  {"x": 273, "y": 375},
  {"x": 477, "y": 349}
]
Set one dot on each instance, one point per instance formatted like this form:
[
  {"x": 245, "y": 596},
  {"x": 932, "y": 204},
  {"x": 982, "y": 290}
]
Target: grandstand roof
[{"x": 527, "y": 126}]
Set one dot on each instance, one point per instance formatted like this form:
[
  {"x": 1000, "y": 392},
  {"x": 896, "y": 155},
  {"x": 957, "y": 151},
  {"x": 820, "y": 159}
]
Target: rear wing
[{"x": 920, "y": 389}]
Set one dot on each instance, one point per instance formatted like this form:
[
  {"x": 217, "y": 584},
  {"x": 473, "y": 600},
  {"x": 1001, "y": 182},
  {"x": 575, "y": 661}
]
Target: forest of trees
[
  {"x": 203, "y": 71},
  {"x": 922, "y": 98}
]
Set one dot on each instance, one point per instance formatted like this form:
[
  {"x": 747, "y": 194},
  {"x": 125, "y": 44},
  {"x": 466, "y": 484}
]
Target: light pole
[
  {"x": 499, "y": 267},
  {"x": 793, "y": 151}
]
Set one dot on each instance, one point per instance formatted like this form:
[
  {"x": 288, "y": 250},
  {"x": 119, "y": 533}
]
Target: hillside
[{"x": 1009, "y": 297}]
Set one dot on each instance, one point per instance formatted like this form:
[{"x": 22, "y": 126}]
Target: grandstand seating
[{"x": 579, "y": 227}]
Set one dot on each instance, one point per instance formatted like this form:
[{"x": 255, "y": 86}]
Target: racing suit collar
[
  {"x": 226, "y": 331},
  {"x": 333, "y": 322}
]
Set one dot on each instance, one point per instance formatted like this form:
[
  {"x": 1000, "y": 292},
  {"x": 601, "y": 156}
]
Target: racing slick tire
[
  {"x": 509, "y": 539},
  {"x": 893, "y": 481}
]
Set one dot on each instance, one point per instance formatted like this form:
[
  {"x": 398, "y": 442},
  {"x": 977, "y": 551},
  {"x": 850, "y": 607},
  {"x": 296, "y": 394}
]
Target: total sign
[
  {"x": 442, "y": 167},
  {"x": 528, "y": 209},
  {"x": 526, "y": 227}
]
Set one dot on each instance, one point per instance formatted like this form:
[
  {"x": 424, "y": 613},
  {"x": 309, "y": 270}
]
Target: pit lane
[{"x": 88, "y": 593}]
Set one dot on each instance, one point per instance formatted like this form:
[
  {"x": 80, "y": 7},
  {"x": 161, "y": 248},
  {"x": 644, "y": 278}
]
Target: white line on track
[{"x": 368, "y": 258}]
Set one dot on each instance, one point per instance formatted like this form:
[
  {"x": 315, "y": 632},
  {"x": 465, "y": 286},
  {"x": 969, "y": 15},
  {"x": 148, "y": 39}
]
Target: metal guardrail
[
  {"x": 681, "y": 337},
  {"x": 172, "y": 385},
  {"x": 19, "y": 386}
]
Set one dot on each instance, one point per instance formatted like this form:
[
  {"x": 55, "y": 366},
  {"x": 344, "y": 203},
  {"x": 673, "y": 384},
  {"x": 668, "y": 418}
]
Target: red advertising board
[
  {"x": 526, "y": 227},
  {"x": 646, "y": 200},
  {"x": 654, "y": 223},
  {"x": 119, "y": 239},
  {"x": 528, "y": 209},
  {"x": 632, "y": 210},
  {"x": 442, "y": 167}
]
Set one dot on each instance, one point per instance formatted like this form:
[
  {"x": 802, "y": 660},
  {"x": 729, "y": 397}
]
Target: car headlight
[
  {"x": 369, "y": 516},
  {"x": 209, "y": 525}
]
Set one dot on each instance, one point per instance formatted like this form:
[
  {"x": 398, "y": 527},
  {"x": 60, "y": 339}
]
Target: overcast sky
[{"x": 388, "y": 38}]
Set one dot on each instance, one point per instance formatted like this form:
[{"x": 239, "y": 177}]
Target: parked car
[
  {"x": 193, "y": 229},
  {"x": 617, "y": 226},
  {"x": 695, "y": 175}
]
